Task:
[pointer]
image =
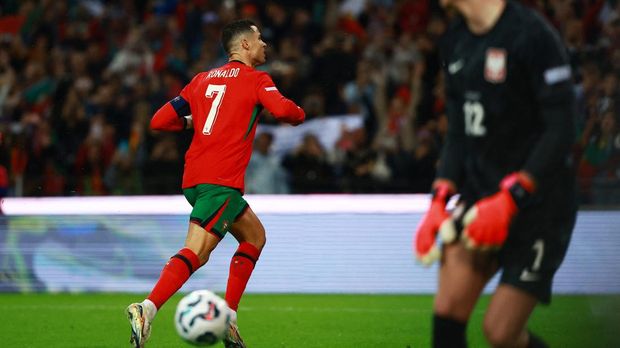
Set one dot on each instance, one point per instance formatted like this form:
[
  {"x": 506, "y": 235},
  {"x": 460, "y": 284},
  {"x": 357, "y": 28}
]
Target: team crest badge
[{"x": 495, "y": 65}]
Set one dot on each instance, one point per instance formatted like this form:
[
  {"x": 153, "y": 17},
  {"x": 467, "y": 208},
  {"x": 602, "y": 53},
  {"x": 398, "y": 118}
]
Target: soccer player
[
  {"x": 510, "y": 108},
  {"x": 222, "y": 105}
]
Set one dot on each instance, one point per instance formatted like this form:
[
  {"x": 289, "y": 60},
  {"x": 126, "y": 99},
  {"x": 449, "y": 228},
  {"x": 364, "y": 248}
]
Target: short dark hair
[{"x": 234, "y": 29}]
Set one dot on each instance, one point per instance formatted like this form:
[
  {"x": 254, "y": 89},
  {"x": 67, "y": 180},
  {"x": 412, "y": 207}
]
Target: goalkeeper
[{"x": 511, "y": 110}]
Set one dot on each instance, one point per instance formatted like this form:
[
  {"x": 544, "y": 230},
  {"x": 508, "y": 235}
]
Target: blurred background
[
  {"x": 80, "y": 80},
  {"x": 92, "y": 202}
]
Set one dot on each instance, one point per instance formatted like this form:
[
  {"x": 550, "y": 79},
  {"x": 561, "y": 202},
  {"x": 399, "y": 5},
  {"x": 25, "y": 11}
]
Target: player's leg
[
  {"x": 506, "y": 317},
  {"x": 250, "y": 233},
  {"x": 196, "y": 251},
  {"x": 209, "y": 205},
  {"x": 532, "y": 254},
  {"x": 462, "y": 277},
  {"x": 198, "y": 246}
]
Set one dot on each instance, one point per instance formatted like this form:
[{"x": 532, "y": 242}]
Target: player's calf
[
  {"x": 448, "y": 332},
  {"x": 498, "y": 337}
]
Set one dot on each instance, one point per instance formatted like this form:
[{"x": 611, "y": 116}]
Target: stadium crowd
[{"x": 79, "y": 81}]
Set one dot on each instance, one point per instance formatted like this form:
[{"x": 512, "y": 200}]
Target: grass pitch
[{"x": 293, "y": 321}]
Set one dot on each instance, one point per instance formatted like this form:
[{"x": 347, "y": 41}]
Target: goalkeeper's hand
[
  {"x": 486, "y": 224},
  {"x": 437, "y": 219}
]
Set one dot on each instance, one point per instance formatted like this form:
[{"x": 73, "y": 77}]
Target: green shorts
[{"x": 215, "y": 207}]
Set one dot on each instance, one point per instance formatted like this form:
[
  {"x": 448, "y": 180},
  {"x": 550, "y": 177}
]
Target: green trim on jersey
[
  {"x": 252, "y": 121},
  {"x": 215, "y": 207}
]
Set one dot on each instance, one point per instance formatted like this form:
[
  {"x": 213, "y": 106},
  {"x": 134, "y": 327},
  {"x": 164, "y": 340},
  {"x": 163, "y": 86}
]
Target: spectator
[
  {"x": 600, "y": 163},
  {"x": 163, "y": 166},
  {"x": 76, "y": 64},
  {"x": 308, "y": 166},
  {"x": 265, "y": 174}
]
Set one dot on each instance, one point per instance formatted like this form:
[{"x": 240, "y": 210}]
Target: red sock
[
  {"x": 241, "y": 267},
  {"x": 175, "y": 273}
]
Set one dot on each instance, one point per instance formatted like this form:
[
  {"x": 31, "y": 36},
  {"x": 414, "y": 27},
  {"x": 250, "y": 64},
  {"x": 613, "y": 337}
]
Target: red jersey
[{"x": 224, "y": 104}]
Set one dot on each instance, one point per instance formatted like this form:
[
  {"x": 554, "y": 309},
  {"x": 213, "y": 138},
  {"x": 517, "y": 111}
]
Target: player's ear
[{"x": 245, "y": 44}]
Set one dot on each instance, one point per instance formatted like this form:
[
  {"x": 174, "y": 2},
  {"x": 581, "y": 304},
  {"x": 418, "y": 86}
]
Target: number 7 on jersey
[{"x": 219, "y": 91}]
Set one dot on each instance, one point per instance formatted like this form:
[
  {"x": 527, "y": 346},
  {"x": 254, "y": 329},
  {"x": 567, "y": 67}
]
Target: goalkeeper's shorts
[
  {"x": 215, "y": 207},
  {"x": 534, "y": 251}
]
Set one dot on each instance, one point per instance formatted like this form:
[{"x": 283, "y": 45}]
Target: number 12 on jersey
[
  {"x": 217, "y": 93},
  {"x": 474, "y": 119}
]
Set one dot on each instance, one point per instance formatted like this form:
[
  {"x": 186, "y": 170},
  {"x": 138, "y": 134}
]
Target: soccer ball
[{"x": 202, "y": 318}]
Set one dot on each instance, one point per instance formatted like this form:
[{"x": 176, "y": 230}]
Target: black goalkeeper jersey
[{"x": 510, "y": 106}]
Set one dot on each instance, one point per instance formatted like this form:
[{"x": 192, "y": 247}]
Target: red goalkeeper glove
[
  {"x": 436, "y": 219},
  {"x": 486, "y": 224}
]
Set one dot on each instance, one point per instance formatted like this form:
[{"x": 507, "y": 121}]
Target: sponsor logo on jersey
[
  {"x": 455, "y": 67},
  {"x": 495, "y": 65},
  {"x": 527, "y": 276},
  {"x": 269, "y": 89}
]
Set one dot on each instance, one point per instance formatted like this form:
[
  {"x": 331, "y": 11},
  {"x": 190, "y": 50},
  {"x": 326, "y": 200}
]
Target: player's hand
[
  {"x": 189, "y": 122},
  {"x": 486, "y": 224},
  {"x": 436, "y": 219}
]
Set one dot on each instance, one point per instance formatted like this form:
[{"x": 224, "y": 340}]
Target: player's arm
[
  {"x": 174, "y": 116},
  {"x": 451, "y": 160},
  {"x": 451, "y": 168},
  {"x": 450, "y": 173},
  {"x": 551, "y": 81},
  {"x": 281, "y": 108}
]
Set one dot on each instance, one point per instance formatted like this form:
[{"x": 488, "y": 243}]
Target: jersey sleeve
[
  {"x": 548, "y": 70},
  {"x": 171, "y": 116},
  {"x": 281, "y": 108},
  {"x": 452, "y": 154}
]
